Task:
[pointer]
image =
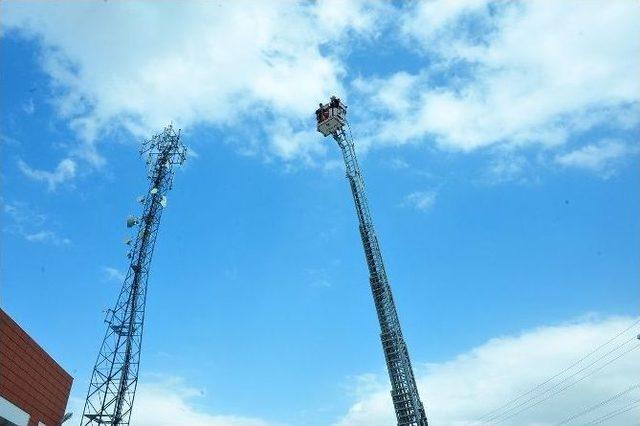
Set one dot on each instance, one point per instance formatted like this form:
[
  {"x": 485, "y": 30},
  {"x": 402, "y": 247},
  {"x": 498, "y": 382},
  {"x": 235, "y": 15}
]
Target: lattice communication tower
[{"x": 115, "y": 374}]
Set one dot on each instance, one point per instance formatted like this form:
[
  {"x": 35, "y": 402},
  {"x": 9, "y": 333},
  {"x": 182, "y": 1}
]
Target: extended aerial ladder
[
  {"x": 115, "y": 374},
  {"x": 332, "y": 121}
]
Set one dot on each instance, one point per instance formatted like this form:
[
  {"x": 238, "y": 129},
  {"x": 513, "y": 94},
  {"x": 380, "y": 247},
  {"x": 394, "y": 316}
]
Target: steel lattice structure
[
  {"x": 115, "y": 375},
  {"x": 409, "y": 410}
]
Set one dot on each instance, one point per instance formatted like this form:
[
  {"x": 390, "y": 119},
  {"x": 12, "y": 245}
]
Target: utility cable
[
  {"x": 491, "y": 415},
  {"x": 545, "y": 391},
  {"x": 615, "y": 413},
  {"x": 570, "y": 385},
  {"x": 598, "y": 405}
]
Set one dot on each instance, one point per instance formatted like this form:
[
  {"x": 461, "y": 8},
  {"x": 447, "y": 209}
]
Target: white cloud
[
  {"x": 460, "y": 391},
  {"x": 333, "y": 165},
  {"x": 288, "y": 143},
  {"x": 193, "y": 63},
  {"x": 22, "y": 214},
  {"x": 431, "y": 20},
  {"x": 113, "y": 274},
  {"x": 507, "y": 166},
  {"x": 398, "y": 164},
  {"x": 511, "y": 73},
  {"x": 317, "y": 278},
  {"x": 47, "y": 237},
  {"x": 169, "y": 401},
  {"x": 457, "y": 392},
  {"x": 29, "y": 107},
  {"x": 64, "y": 171},
  {"x": 421, "y": 200},
  {"x": 598, "y": 157},
  {"x": 30, "y": 225},
  {"x": 499, "y": 73},
  {"x": 8, "y": 141}
]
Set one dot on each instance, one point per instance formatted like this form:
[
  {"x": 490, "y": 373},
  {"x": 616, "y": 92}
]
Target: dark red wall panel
[{"x": 29, "y": 377}]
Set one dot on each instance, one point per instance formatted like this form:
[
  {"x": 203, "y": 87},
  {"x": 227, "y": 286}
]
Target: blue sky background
[{"x": 259, "y": 296}]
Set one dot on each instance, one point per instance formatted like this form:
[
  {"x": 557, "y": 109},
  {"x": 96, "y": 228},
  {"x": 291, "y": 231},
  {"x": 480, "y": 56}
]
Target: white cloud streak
[
  {"x": 30, "y": 225},
  {"x": 459, "y": 391},
  {"x": 64, "y": 172},
  {"x": 421, "y": 200},
  {"x": 600, "y": 157},
  {"x": 47, "y": 237},
  {"x": 113, "y": 274}
]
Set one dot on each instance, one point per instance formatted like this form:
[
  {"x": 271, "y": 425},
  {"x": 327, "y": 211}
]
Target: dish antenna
[{"x": 132, "y": 221}]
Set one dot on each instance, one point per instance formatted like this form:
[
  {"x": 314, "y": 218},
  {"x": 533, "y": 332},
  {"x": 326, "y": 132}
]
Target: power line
[
  {"x": 598, "y": 405},
  {"x": 545, "y": 391},
  {"x": 495, "y": 413},
  {"x": 615, "y": 413},
  {"x": 489, "y": 414},
  {"x": 570, "y": 385}
]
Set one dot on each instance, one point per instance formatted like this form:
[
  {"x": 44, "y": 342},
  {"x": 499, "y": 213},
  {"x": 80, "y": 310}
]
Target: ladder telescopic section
[{"x": 332, "y": 121}]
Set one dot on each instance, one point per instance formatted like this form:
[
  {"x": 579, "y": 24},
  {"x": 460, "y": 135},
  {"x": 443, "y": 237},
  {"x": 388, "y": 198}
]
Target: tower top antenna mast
[
  {"x": 164, "y": 149},
  {"x": 332, "y": 121}
]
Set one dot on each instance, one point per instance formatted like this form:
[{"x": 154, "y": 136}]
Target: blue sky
[{"x": 499, "y": 144}]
